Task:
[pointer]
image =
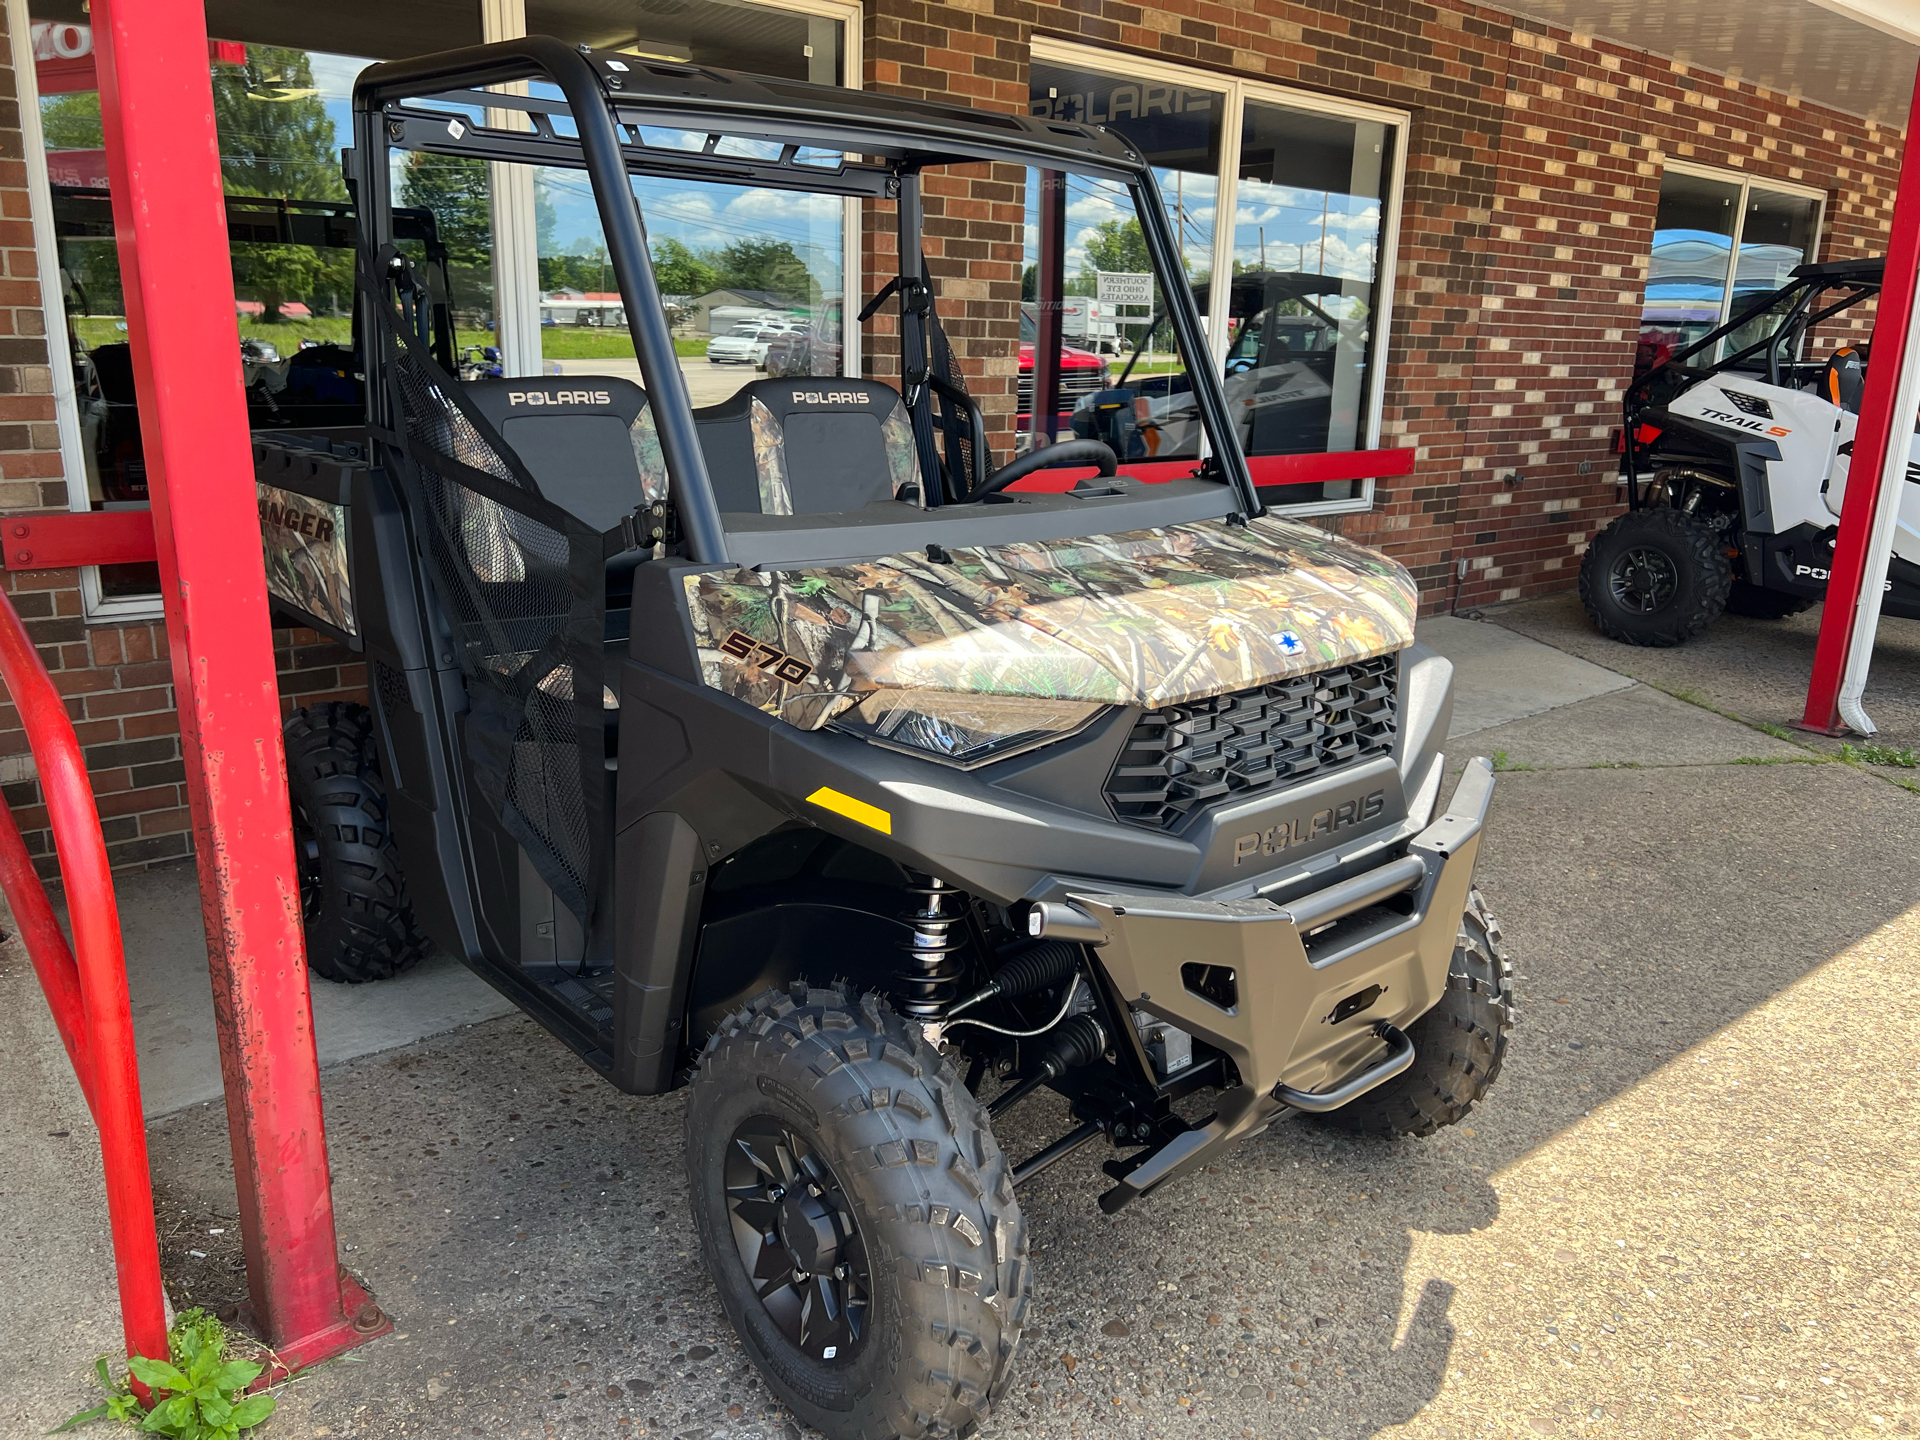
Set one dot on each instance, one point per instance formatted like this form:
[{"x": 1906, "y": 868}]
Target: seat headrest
[
  {"x": 806, "y": 394},
  {"x": 557, "y": 395}
]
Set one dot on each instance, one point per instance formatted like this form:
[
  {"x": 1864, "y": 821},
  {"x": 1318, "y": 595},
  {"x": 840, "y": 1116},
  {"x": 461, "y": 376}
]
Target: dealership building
[{"x": 1483, "y": 217}]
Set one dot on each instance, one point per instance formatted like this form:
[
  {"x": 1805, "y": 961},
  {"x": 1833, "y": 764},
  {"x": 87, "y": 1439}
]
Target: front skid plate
[{"x": 1282, "y": 1028}]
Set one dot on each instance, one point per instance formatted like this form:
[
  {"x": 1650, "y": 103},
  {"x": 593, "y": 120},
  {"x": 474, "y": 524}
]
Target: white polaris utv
[{"x": 1736, "y": 460}]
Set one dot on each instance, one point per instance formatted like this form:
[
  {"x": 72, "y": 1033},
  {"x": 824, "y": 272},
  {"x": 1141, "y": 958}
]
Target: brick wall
[{"x": 1533, "y": 174}]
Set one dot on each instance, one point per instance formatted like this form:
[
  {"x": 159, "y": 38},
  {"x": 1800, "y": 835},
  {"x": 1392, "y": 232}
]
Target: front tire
[
  {"x": 857, "y": 1216},
  {"x": 353, "y": 898},
  {"x": 1459, "y": 1045},
  {"x": 1655, "y": 577}
]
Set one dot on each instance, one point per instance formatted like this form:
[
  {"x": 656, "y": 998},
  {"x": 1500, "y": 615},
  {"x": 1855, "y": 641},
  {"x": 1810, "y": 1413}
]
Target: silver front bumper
[{"x": 1294, "y": 964}]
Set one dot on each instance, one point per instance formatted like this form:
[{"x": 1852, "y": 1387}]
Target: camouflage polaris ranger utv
[{"x": 785, "y": 748}]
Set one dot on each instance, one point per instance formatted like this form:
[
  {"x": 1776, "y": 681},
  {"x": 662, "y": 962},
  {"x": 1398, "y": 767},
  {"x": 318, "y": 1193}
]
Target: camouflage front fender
[{"x": 1148, "y": 618}]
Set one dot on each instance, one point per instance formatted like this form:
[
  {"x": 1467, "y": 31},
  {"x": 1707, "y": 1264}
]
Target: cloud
[
  {"x": 1337, "y": 256},
  {"x": 788, "y": 207},
  {"x": 1096, "y": 208}
]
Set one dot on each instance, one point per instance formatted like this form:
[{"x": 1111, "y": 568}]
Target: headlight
[{"x": 963, "y": 730}]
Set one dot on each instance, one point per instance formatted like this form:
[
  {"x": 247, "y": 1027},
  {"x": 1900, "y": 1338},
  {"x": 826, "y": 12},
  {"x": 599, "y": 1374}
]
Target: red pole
[
  {"x": 163, "y": 160},
  {"x": 1892, "y": 318},
  {"x": 47, "y": 948},
  {"x": 109, "y": 1073}
]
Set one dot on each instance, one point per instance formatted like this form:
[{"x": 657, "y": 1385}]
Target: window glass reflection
[
  {"x": 1692, "y": 248},
  {"x": 1307, "y": 239}
]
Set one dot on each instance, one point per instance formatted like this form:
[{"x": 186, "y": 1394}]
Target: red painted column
[
  {"x": 156, "y": 103},
  {"x": 1892, "y": 318}
]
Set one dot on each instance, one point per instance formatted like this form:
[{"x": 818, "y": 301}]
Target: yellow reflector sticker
[{"x": 872, "y": 816}]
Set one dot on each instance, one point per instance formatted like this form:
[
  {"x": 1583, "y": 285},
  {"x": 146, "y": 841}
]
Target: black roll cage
[
  {"x": 1860, "y": 278},
  {"x": 604, "y": 94}
]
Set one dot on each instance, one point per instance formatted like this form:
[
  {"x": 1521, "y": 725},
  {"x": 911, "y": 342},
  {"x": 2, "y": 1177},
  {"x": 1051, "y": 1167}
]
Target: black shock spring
[{"x": 930, "y": 983}]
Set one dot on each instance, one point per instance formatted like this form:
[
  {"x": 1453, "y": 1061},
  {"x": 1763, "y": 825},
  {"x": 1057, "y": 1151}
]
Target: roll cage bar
[
  {"x": 1859, "y": 278},
  {"x": 608, "y": 100}
]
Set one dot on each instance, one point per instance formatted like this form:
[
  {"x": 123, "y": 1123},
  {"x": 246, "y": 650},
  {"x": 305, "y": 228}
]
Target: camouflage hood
[{"x": 1148, "y": 618}]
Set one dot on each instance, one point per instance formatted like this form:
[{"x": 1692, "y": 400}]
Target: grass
[
  {"x": 1616, "y": 765},
  {"x": 1859, "y": 756},
  {"x": 581, "y": 343},
  {"x": 556, "y": 342},
  {"x": 1870, "y": 754},
  {"x": 1503, "y": 761}
]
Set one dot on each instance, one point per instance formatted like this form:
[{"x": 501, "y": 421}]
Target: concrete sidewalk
[
  {"x": 1683, "y": 1211},
  {"x": 1755, "y": 670},
  {"x": 173, "y": 999}
]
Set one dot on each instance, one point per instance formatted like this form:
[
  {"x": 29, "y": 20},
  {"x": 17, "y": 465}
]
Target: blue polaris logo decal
[{"x": 1289, "y": 643}]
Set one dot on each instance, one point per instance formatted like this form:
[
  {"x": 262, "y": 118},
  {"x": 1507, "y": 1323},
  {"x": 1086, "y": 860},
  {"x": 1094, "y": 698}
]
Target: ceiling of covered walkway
[{"x": 1854, "y": 55}]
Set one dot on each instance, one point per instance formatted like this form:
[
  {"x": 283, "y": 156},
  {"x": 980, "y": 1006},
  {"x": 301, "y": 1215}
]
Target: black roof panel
[{"x": 1872, "y": 270}]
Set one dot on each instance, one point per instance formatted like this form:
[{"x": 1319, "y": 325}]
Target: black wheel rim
[
  {"x": 1644, "y": 580},
  {"x": 306, "y": 863},
  {"x": 797, "y": 1237}
]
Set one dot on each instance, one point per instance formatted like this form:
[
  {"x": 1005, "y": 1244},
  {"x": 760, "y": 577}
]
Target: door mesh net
[{"x": 521, "y": 585}]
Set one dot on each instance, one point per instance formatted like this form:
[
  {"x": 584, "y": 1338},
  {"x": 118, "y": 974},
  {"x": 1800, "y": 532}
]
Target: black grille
[{"x": 1186, "y": 758}]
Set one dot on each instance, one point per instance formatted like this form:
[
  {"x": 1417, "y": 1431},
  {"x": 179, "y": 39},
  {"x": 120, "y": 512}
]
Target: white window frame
[
  {"x": 96, "y": 607},
  {"x": 1747, "y": 184},
  {"x": 1235, "y": 92}
]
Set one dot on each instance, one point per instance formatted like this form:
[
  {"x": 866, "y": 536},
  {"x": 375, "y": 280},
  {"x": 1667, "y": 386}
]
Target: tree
[
  {"x": 72, "y": 122},
  {"x": 681, "y": 270},
  {"x": 276, "y": 141},
  {"x": 1116, "y": 245},
  {"x": 457, "y": 190},
  {"x": 546, "y": 219},
  {"x": 768, "y": 265}
]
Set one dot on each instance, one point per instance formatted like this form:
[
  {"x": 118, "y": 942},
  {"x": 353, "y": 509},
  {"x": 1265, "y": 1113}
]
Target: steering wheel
[{"x": 1049, "y": 457}]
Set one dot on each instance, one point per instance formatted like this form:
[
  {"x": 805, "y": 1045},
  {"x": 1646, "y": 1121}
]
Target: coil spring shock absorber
[{"x": 931, "y": 979}]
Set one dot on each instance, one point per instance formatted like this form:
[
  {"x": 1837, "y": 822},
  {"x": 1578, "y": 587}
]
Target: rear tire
[
  {"x": 824, "y": 1135},
  {"x": 1758, "y": 604},
  {"x": 1655, "y": 577},
  {"x": 353, "y": 898},
  {"x": 1459, "y": 1045}
]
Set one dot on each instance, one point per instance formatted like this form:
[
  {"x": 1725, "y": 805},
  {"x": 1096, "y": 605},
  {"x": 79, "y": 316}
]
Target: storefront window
[
  {"x": 1696, "y": 284},
  {"x": 1309, "y": 194},
  {"x": 1119, "y": 375},
  {"x": 752, "y": 277},
  {"x": 1308, "y": 226},
  {"x": 282, "y": 96}
]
